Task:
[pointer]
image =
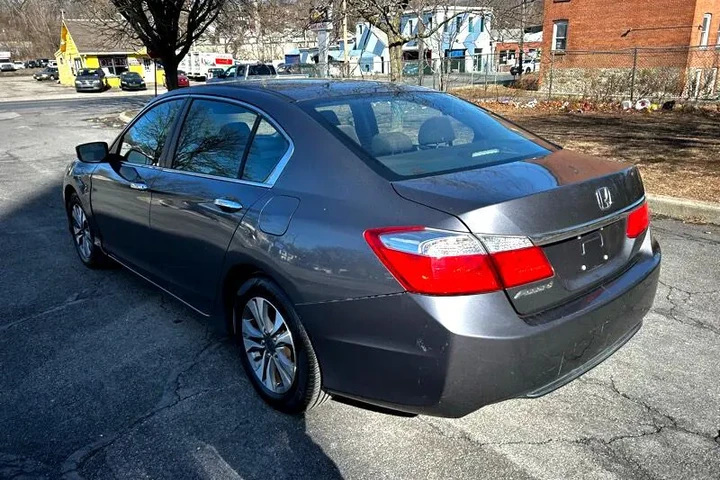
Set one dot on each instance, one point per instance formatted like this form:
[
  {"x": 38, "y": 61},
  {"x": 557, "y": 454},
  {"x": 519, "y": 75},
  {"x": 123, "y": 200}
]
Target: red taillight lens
[
  {"x": 449, "y": 263},
  {"x": 638, "y": 221},
  {"x": 518, "y": 267},
  {"x": 434, "y": 262}
]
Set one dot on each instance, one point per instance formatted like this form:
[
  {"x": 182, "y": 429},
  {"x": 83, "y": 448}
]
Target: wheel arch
[
  {"x": 67, "y": 193},
  {"x": 235, "y": 276}
]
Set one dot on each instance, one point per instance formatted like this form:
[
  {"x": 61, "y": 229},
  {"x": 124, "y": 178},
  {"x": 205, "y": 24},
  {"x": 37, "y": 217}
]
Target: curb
[
  {"x": 126, "y": 116},
  {"x": 683, "y": 209}
]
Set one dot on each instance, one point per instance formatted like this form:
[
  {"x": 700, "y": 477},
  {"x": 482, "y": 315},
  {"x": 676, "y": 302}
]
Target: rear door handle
[
  {"x": 228, "y": 205},
  {"x": 138, "y": 186}
]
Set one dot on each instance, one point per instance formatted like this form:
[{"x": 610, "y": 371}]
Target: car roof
[{"x": 306, "y": 89}]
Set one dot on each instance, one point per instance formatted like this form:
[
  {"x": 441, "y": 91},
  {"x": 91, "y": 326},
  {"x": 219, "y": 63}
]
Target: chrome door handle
[
  {"x": 228, "y": 205},
  {"x": 138, "y": 186}
]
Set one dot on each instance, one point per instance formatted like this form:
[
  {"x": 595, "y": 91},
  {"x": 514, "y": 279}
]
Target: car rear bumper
[{"x": 449, "y": 356}]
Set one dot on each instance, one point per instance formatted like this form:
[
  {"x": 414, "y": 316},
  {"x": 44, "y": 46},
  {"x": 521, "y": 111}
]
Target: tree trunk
[
  {"x": 421, "y": 50},
  {"x": 396, "y": 60},
  {"x": 171, "y": 67}
]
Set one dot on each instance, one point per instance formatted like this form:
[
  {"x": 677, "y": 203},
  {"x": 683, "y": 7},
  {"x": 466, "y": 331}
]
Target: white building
[{"x": 464, "y": 37}]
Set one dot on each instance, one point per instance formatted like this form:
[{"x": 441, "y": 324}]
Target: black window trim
[
  {"x": 171, "y": 146},
  {"x": 274, "y": 175}
]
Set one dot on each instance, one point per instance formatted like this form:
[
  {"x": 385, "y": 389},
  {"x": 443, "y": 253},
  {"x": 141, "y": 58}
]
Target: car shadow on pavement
[{"x": 105, "y": 376}]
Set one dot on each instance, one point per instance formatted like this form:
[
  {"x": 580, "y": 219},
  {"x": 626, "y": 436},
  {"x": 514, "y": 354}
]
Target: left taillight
[
  {"x": 438, "y": 262},
  {"x": 638, "y": 221}
]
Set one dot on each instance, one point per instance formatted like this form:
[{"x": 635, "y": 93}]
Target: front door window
[{"x": 143, "y": 143}]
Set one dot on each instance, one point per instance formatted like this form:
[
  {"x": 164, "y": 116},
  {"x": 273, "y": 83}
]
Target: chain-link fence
[
  {"x": 438, "y": 73},
  {"x": 689, "y": 74},
  {"x": 655, "y": 74}
]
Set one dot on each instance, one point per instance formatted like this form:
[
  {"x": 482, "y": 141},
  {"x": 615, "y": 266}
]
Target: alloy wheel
[
  {"x": 268, "y": 345},
  {"x": 81, "y": 232}
]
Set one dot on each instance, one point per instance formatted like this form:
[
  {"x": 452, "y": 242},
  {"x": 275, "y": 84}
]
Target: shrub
[{"x": 529, "y": 81}]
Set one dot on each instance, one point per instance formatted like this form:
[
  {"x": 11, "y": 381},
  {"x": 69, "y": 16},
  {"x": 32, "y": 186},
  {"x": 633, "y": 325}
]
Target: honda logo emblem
[{"x": 604, "y": 198}]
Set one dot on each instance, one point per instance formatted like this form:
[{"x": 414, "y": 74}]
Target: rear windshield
[{"x": 416, "y": 134}]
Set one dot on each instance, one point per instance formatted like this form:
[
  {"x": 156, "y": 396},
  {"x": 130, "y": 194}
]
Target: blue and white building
[{"x": 465, "y": 37}]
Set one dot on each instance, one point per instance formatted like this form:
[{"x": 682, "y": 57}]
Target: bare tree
[
  {"x": 387, "y": 16},
  {"x": 32, "y": 27},
  {"x": 167, "y": 28},
  {"x": 260, "y": 28}
]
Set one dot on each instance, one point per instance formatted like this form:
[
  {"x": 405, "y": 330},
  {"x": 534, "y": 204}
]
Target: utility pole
[
  {"x": 346, "y": 60},
  {"x": 421, "y": 46},
  {"x": 521, "y": 42}
]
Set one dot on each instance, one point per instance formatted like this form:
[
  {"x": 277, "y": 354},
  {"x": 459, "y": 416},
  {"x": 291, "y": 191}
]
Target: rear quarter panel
[{"x": 322, "y": 256}]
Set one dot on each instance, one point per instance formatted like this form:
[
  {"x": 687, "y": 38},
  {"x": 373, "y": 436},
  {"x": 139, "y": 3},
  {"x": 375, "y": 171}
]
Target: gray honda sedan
[{"x": 387, "y": 244}]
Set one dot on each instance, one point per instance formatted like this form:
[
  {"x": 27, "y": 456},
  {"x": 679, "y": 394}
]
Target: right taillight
[
  {"x": 638, "y": 221},
  {"x": 438, "y": 262}
]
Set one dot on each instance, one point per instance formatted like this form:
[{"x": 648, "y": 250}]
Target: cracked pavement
[{"x": 103, "y": 376}]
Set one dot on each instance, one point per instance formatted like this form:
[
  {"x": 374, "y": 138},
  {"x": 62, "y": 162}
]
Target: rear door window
[
  {"x": 227, "y": 140},
  {"x": 268, "y": 147},
  {"x": 214, "y": 139}
]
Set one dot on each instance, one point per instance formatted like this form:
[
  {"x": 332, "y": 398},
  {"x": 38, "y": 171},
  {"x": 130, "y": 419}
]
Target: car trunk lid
[{"x": 571, "y": 205}]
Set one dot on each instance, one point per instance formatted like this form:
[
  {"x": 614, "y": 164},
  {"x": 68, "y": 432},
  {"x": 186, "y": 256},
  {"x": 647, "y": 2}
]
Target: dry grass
[{"x": 678, "y": 152}]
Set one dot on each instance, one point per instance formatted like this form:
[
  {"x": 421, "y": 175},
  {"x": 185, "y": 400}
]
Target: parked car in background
[
  {"x": 31, "y": 64},
  {"x": 183, "y": 80},
  {"x": 215, "y": 72},
  {"x": 91, "y": 80},
  {"x": 246, "y": 72},
  {"x": 412, "y": 68},
  {"x": 530, "y": 65},
  {"x": 52, "y": 63},
  {"x": 132, "y": 81},
  {"x": 19, "y": 65},
  {"x": 7, "y": 67},
  {"x": 48, "y": 73},
  {"x": 42, "y": 62},
  {"x": 460, "y": 262},
  {"x": 301, "y": 70}
]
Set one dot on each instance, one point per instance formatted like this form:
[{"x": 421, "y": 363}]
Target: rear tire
[
  {"x": 279, "y": 360},
  {"x": 83, "y": 236}
]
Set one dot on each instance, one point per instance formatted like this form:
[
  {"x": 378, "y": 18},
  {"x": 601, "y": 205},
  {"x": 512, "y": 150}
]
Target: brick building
[
  {"x": 677, "y": 40},
  {"x": 507, "y": 47}
]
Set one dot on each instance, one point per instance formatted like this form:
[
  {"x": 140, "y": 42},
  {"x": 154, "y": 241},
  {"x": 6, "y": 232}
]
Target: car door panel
[
  {"x": 214, "y": 176},
  {"x": 191, "y": 232},
  {"x": 120, "y": 199},
  {"x": 121, "y": 188}
]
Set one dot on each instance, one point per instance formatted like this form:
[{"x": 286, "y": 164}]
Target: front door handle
[
  {"x": 138, "y": 186},
  {"x": 228, "y": 205}
]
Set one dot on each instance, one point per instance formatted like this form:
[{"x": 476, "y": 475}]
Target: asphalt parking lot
[{"x": 103, "y": 376}]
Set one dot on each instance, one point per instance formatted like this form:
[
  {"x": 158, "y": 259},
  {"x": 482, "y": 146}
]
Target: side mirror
[{"x": 94, "y": 152}]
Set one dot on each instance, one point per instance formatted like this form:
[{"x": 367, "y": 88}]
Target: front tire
[
  {"x": 83, "y": 236},
  {"x": 275, "y": 350}
]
